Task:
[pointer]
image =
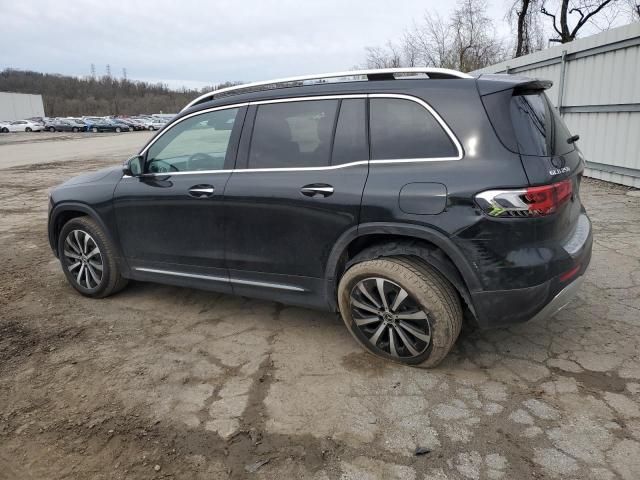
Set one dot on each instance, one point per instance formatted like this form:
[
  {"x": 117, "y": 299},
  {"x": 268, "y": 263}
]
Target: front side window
[
  {"x": 293, "y": 134},
  {"x": 404, "y": 129},
  {"x": 197, "y": 143}
]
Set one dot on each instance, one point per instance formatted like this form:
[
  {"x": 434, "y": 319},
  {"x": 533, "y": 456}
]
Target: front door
[
  {"x": 297, "y": 188},
  {"x": 170, "y": 219}
]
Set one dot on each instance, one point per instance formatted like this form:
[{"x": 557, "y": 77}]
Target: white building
[{"x": 18, "y": 106}]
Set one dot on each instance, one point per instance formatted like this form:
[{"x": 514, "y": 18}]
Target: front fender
[{"x": 85, "y": 209}]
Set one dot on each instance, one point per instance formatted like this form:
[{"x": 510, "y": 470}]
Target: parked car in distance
[
  {"x": 130, "y": 123},
  {"x": 22, "y": 126},
  {"x": 65, "y": 125},
  {"x": 105, "y": 126},
  {"x": 407, "y": 205}
]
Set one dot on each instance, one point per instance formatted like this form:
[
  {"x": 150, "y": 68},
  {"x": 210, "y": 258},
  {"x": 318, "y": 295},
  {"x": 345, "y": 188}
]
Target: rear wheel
[
  {"x": 118, "y": 129},
  {"x": 94, "y": 130},
  {"x": 151, "y": 128},
  {"x": 74, "y": 129},
  {"x": 28, "y": 129},
  {"x": 400, "y": 310},
  {"x": 88, "y": 259},
  {"x": 52, "y": 129},
  {"x": 5, "y": 130}
]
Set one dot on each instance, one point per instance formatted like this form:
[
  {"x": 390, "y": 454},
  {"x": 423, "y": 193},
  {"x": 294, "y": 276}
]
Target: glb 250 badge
[{"x": 558, "y": 171}]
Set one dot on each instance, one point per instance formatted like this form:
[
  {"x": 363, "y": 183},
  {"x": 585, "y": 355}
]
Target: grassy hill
[{"x": 73, "y": 96}]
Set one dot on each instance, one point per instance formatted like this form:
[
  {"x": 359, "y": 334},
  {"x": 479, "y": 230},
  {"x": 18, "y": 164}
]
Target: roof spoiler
[{"x": 493, "y": 83}]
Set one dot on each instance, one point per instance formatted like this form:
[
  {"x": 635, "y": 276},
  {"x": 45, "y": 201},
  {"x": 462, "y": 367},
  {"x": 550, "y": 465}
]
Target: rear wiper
[{"x": 573, "y": 139}]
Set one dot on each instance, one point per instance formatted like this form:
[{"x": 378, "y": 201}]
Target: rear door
[{"x": 297, "y": 189}]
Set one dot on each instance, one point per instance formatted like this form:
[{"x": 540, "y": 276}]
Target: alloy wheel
[
  {"x": 390, "y": 318},
  {"x": 82, "y": 259}
]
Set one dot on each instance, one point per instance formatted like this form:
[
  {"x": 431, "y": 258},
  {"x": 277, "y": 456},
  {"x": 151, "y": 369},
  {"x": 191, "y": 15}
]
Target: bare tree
[
  {"x": 465, "y": 41},
  {"x": 528, "y": 28},
  {"x": 632, "y": 8},
  {"x": 585, "y": 9},
  {"x": 389, "y": 56}
]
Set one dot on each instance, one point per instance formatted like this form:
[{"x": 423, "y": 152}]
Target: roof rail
[{"x": 374, "y": 74}]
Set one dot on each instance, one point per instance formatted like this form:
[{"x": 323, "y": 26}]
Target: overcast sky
[{"x": 197, "y": 42}]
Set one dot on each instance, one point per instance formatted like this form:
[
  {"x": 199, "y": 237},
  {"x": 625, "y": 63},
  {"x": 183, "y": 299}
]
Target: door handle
[
  {"x": 321, "y": 189},
  {"x": 201, "y": 191}
]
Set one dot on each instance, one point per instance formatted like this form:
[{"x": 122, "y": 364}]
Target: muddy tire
[
  {"x": 400, "y": 310},
  {"x": 88, "y": 259}
]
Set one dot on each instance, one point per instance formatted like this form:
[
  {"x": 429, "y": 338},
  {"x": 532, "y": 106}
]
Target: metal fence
[
  {"x": 596, "y": 86},
  {"x": 18, "y": 106}
]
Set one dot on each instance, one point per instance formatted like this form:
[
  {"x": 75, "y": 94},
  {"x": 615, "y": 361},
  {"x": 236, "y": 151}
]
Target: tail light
[{"x": 526, "y": 202}]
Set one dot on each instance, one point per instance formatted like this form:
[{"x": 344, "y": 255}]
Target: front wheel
[
  {"x": 94, "y": 130},
  {"x": 151, "y": 128},
  {"x": 88, "y": 259},
  {"x": 52, "y": 129},
  {"x": 28, "y": 129},
  {"x": 118, "y": 129},
  {"x": 74, "y": 129},
  {"x": 400, "y": 310}
]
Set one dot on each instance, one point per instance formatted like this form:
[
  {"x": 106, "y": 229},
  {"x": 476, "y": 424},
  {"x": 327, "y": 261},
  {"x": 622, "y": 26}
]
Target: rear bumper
[
  {"x": 507, "y": 307},
  {"x": 560, "y": 301}
]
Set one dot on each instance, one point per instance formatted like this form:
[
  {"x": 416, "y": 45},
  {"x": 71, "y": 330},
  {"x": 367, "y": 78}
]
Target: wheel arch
[
  {"x": 370, "y": 241},
  {"x": 64, "y": 212}
]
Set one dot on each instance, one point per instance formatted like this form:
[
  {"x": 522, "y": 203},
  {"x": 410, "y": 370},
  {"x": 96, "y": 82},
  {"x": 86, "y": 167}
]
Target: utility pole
[
  {"x": 108, "y": 70},
  {"x": 93, "y": 70},
  {"x": 124, "y": 74}
]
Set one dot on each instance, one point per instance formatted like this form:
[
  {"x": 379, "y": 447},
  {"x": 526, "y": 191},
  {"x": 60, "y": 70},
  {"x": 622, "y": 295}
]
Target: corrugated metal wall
[
  {"x": 596, "y": 85},
  {"x": 18, "y": 106}
]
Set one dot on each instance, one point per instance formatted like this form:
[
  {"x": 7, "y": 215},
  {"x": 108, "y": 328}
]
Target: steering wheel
[
  {"x": 160, "y": 166},
  {"x": 200, "y": 161}
]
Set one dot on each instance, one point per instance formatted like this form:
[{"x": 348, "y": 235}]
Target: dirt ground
[{"x": 161, "y": 382}]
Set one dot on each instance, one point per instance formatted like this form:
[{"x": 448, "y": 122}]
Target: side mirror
[{"x": 134, "y": 166}]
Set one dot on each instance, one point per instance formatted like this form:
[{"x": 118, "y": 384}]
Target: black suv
[{"x": 407, "y": 200}]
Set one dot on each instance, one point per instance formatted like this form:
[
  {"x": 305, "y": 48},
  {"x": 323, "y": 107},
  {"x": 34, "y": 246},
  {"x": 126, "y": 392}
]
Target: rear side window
[
  {"x": 350, "y": 143},
  {"x": 537, "y": 125},
  {"x": 403, "y": 129},
  {"x": 293, "y": 134}
]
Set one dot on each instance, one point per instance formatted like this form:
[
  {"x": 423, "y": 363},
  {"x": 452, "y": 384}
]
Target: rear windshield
[{"x": 537, "y": 125}]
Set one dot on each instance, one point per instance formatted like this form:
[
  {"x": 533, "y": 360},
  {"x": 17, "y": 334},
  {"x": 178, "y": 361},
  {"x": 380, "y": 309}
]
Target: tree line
[
  {"x": 467, "y": 39},
  {"x": 65, "y": 96}
]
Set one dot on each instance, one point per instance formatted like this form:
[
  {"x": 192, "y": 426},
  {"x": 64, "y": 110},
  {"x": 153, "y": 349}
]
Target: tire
[
  {"x": 74, "y": 129},
  {"x": 425, "y": 324},
  {"x": 85, "y": 277},
  {"x": 151, "y": 127},
  {"x": 5, "y": 130},
  {"x": 28, "y": 129},
  {"x": 118, "y": 129},
  {"x": 94, "y": 130},
  {"x": 52, "y": 129}
]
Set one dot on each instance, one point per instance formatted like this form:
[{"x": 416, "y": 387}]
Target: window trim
[{"x": 417, "y": 100}]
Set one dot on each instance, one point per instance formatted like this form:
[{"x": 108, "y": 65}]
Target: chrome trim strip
[
  {"x": 279, "y": 286},
  {"x": 419, "y": 101},
  {"x": 320, "y": 76},
  {"x": 182, "y": 274}
]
